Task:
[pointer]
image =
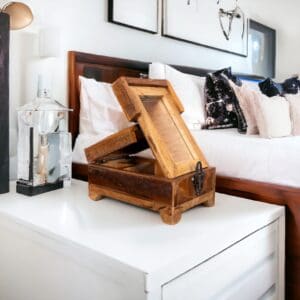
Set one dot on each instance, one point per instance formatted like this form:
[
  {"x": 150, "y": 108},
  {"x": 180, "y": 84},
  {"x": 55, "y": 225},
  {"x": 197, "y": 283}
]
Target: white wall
[{"x": 84, "y": 27}]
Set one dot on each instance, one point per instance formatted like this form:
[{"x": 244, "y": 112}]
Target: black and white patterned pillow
[
  {"x": 222, "y": 106},
  {"x": 271, "y": 88},
  {"x": 291, "y": 85},
  {"x": 228, "y": 73}
]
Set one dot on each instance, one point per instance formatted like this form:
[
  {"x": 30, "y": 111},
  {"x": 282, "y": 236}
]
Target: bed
[{"x": 274, "y": 180}]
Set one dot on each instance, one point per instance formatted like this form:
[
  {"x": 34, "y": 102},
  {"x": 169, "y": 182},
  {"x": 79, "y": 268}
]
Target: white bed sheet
[
  {"x": 241, "y": 156},
  {"x": 252, "y": 157}
]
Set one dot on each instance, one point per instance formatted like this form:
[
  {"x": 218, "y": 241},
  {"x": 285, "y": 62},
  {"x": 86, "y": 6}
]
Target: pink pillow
[
  {"x": 294, "y": 101},
  {"x": 247, "y": 101}
]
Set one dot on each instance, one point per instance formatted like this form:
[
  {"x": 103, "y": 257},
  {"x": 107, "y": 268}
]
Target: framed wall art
[
  {"x": 217, "y": 24},
  {"x": 262, "y": 49},
  {"x": 136, "y": 14}
]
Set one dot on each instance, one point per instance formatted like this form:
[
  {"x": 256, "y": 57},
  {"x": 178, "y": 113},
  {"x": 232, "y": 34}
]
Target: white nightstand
[{"x": 63, "y": 246}]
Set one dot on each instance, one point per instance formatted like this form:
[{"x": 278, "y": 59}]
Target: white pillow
[
  {"x": 200, "y": 82},
  {"x": 99, "y": 108},
  {"x": 189, "y": 89},
  {"x": 273, "y": 116},
  {"x": 251, "y": 84},
  {"x": 157, "y": 71},
  {"x": 294, "y": 101}
]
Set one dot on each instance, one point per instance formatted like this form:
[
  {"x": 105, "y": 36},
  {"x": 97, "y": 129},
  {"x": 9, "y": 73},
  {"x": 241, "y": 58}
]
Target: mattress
[{"x": 234, "y": 155}]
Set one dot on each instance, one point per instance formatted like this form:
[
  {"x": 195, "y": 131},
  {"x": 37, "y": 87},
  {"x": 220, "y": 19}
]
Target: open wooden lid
[
  {"x": 125, "y": 142},
  {"x": 154, "y": 105}
]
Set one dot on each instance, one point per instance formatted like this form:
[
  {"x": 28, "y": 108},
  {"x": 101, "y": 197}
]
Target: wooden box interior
[{"x": 118, "y": 152}]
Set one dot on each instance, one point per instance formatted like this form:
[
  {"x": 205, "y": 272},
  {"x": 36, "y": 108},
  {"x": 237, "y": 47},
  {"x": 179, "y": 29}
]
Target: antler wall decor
[{"x": 231, "y": 15}]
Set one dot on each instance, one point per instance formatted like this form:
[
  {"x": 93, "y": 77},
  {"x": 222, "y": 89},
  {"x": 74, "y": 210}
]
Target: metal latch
[{"x": 198, "y": 178}]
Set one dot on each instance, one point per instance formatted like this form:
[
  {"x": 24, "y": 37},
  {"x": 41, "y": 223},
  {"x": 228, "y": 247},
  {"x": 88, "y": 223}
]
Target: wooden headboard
[{"x": 108, "y": 69}]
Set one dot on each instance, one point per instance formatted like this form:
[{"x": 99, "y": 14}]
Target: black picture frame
[
  {"x": 164, "y": 34},
  {"x": 112, "y": 19},
  {"x": 266, "y": 67}
]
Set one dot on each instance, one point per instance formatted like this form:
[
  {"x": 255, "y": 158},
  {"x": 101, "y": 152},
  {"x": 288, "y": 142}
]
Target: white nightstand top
[{"x": 134, "y": 236}]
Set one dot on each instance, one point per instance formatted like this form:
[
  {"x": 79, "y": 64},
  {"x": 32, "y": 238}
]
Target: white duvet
[
  {"x": 241, "y": 156},
  {"x": 251, "y": 157}
]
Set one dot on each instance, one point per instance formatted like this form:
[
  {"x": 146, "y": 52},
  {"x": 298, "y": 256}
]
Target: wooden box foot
[
  {"x": 170, "y": 216},
  {"x": 95, "y": 193}
]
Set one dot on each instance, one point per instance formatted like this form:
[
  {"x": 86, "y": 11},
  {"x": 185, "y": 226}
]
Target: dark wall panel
[{"x": 4, "y": 103}]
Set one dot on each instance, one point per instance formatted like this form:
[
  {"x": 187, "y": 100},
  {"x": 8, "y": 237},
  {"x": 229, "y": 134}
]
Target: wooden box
[{"x": 176, "y": 179}]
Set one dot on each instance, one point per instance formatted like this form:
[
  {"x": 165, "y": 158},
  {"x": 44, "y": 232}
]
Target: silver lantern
[{"x": 44, "y": 147}]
